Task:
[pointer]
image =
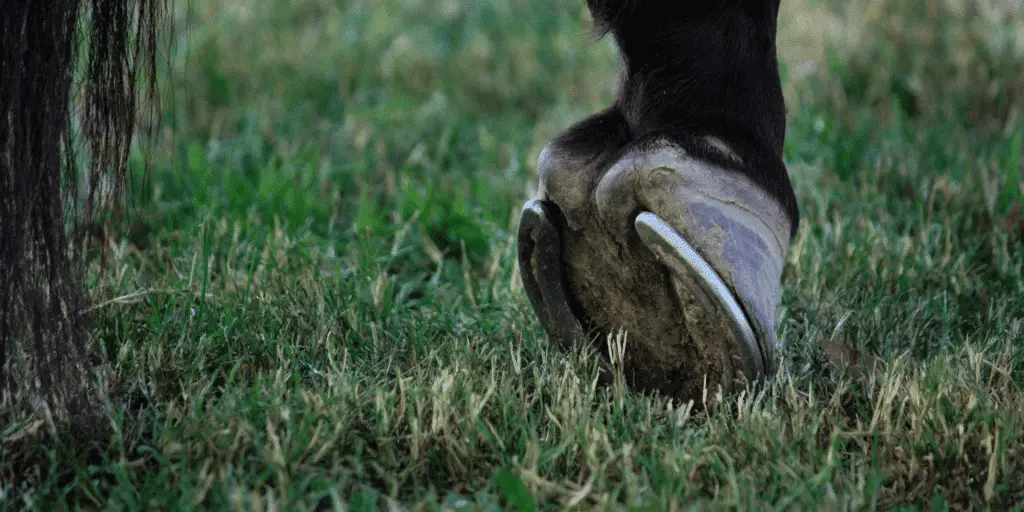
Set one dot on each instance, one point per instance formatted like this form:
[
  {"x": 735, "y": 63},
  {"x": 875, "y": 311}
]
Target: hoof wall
[
  {"x": 710, "y": 308},
  {"x": 540, "y": 265}
]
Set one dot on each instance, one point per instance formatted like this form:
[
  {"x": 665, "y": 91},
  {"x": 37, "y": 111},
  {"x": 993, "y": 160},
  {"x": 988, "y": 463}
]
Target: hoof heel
[{"x": 541, "y": 269}]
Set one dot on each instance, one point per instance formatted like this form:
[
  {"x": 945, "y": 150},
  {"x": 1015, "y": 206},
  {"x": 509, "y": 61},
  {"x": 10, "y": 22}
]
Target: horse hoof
[{"x": 684, "y": 256}]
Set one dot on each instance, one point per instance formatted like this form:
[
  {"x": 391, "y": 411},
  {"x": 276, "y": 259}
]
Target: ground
[{"x": 314, "y": 301}]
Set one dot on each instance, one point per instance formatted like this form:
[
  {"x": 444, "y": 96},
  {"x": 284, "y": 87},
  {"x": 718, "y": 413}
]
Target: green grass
[{"x": 317, "y": 303}]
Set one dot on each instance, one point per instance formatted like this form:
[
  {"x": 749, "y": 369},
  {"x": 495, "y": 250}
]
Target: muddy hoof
[{"x": 682, "y": 255}]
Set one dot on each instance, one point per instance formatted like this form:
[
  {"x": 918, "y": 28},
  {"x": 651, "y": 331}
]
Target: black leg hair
[{"x": 694, "y": 70}]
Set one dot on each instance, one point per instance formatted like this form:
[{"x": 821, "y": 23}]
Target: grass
[{"x": 316, "y": 304}]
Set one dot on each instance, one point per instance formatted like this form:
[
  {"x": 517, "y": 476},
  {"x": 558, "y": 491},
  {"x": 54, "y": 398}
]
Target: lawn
[{"x": 314, "y": 302}]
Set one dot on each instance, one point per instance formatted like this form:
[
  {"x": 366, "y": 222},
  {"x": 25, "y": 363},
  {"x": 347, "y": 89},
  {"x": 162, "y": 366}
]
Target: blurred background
[{"x": 368, "y": 112}]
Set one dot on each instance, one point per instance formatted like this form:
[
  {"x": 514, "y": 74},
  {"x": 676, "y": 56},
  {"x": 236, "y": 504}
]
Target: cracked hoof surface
[{"x": 684, "y": 256}]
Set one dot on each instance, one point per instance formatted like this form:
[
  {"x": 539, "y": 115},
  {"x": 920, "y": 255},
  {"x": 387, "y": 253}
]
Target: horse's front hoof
[{"x": 685, "y": 257}]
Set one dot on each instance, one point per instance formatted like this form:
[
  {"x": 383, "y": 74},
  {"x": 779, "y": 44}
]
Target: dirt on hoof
[{"x": 618, "y": 284}]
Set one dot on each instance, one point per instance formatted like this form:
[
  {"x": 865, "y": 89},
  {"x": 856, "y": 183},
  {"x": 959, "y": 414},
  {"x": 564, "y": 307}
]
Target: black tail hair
[{"x": 70, "y": 98}]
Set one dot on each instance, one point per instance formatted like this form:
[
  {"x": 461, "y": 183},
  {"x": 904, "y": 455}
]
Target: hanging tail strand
[{"x": 76, "y": 76}]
